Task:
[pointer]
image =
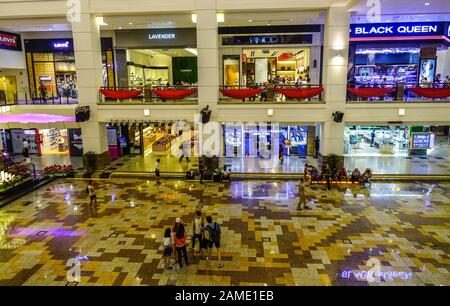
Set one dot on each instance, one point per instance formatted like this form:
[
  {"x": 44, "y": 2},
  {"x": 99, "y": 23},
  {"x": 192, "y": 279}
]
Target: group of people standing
[{"x": 175, "y": 241}]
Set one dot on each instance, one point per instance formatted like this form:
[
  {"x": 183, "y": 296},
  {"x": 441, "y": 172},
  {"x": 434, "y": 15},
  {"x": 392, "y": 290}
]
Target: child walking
[{"x": 168, "y": 248}]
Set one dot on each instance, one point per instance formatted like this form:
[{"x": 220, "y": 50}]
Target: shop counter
[
  {"x": 387, "y": 148},
  {"x": 163, "y": 144}
]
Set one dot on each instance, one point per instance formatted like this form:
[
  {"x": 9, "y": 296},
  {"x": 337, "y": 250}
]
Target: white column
[
  {"x": 208, "y": 55},
  {"x": 88, "y": 62},
  {"x": 335, "y": 67}
]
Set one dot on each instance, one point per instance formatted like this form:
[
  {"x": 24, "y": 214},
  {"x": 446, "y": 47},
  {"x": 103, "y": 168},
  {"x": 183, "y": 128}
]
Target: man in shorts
[{"x": 214, "y": 239}]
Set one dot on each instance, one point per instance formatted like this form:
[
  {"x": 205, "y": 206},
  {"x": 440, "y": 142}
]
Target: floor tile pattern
[{"x": 401, "y": 232}]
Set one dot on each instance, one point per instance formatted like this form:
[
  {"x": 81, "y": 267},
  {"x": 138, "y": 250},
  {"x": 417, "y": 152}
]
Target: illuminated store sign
[
  {"x": 399, "y": 29},
  {"x": 162, "y": 36},
  {"x": 61, "y": 44},
  {"x": 10, "y": 41}
]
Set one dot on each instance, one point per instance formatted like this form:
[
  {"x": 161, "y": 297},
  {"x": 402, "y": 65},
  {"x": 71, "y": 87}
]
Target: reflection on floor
[
  {"x": 293, "y": 164},
  {"x": 400, "y": 231},
  {"x": 438, "y": 163}
]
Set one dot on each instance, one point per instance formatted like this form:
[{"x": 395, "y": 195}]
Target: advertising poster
[
  {"x": 427, "y": 71},
  {"x": 113, "y": 144},
  {"x": 75, "y": 142}
]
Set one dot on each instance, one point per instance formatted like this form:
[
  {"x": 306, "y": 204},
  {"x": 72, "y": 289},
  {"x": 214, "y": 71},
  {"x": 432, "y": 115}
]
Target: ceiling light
[
  {"x": 120, "y": 28},
  {"x": 130, "y": 23},
  {"x": 194, "y": 18},
  {"x": 427, "y": 3},
  {"x": 250, "y": 20},
  {"x": 220, "y": 17}
]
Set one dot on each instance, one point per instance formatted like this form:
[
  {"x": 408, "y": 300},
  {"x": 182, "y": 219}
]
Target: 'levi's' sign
[
  {"x": 10, "y": 41},
  {"x": 397, "y": 29}
]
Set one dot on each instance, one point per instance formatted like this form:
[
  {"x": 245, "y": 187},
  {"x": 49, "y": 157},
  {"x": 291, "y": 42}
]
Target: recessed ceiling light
[
  {"x": 250, "y": 20},
  {"x": 120, "y": 28},
  {"x": 130, "y": 23},
  {"x": 427, "y": 3}
]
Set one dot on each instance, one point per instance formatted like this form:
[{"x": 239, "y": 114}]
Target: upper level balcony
[
  {"x": 44, "y": 99},
  {"x": 399, "y": 93},
  {"x": 137, "y": 95},
  {"x": 271, "y": 93}
]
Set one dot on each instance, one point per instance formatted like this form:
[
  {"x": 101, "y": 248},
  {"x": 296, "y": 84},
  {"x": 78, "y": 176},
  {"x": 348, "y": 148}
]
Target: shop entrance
[
  {"x": 397, "y": 141},
  {"x": 287, "y": 66},
  {"x": 162, "y": 67},
  {"x": 43, "y": 141},
  {"x": 155, "y": 139},
  {"x": 254, "y": 141},
  {"x": 8, "y": 88}
]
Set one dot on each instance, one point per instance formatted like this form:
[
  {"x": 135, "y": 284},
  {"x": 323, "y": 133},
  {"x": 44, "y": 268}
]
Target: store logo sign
[
  {"x": 10, "y": 41},
  {"x": 162, "y": 36},
  {"x": 61, "y": 45},
  {"x": 400, "y": 29}
]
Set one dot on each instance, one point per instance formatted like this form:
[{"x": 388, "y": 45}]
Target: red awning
[
  {"x": 174, "y": 94},
  {"x": 434, "y": 93},
  {"x": 240, "y": 93},
  {"x": 300, "y": 93},
  {"x": 370, "y": 92},
  {"x": 120, "y": 94}
]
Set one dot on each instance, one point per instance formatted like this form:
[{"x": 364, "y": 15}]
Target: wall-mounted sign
[
  {"x": 399, "y": 29},
  {"x": 422, "y": 140},
  {"x": 303, "y": 39},
  {"x": 10, "y": 41},
  {"x": 61, "y": 45},
  {"x": 45, "y": 78},
  {"x": 162, "y": 36},
  {"x": 156, "y": 38}
]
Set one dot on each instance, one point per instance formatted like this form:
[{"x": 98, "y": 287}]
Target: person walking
[
  {"x": 25, "y": 148},
  {"x": 168, "y": 248},
  {"x": 180, "y": 245},
  {"x": 214, "y": 239},
  {"x": 202, "y": 167},
  {"x": 302, "y": 202},
  {"x": 197, "y": 228},
  {"x": 327, "y": 174},
  {"x": 281, "y": 154},
  {"x": 157, "y": 172},
  {"x": 184, "y": 152},
  {"x": 317, "y": 146},
  {"x": 91, "y": 191},
  {"x": 372, "y": 138}
]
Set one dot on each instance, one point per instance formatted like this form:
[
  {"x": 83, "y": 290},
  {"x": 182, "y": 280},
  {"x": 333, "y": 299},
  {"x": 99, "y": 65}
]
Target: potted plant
[{"x": 333, "y": 160}]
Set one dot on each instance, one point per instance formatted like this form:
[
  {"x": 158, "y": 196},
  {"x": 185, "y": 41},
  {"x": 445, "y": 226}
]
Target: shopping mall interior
[{"x": 316, "y": 135}]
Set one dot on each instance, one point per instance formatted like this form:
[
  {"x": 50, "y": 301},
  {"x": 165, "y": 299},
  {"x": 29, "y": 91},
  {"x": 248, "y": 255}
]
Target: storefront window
[{"x": 376, "y": 140}]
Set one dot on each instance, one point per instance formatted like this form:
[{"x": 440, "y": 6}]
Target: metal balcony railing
[{"x": 399, "y": 92}]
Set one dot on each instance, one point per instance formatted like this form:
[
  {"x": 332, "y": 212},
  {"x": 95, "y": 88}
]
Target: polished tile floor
[{"x": 401, "y": 232}]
